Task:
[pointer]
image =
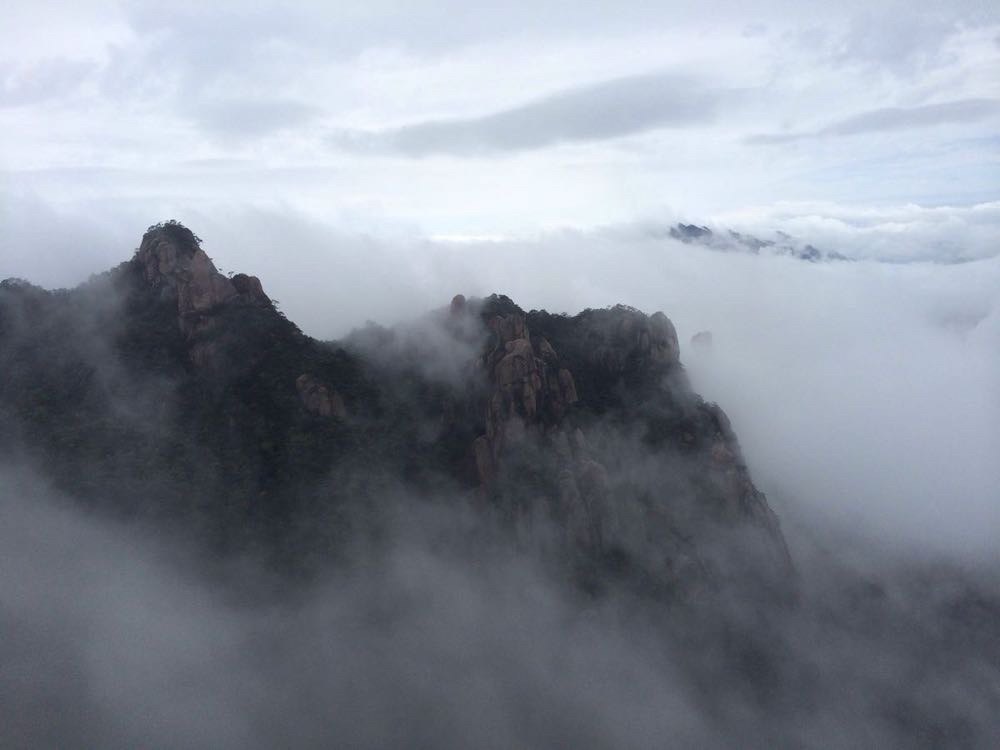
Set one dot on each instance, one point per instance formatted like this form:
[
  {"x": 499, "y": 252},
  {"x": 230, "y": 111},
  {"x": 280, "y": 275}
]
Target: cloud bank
[
  {"x": 117, "y": 636},
  {"x": 595, "y": 112},
  {"x": 889, "y": 119},
  {"x": 862, "y": 391}
]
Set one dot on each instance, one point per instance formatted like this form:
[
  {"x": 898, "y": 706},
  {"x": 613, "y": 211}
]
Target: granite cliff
[{"x": 164, "y": 388}]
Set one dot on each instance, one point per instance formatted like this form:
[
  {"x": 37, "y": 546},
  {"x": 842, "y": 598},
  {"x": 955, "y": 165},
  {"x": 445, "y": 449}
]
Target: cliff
[{"x": 165, "y": 389}]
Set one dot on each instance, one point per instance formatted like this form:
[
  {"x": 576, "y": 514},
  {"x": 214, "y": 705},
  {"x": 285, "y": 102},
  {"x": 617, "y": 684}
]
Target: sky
[{"x": 469, "y": 120}]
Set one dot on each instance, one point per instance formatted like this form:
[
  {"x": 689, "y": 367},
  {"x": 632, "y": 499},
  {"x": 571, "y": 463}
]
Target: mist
[
  {"x": 499, "y": 375},
  {"x": 117, "y": 635},
  {"x": 864, "y": 395},
  {"x": 864, "y": 391}
]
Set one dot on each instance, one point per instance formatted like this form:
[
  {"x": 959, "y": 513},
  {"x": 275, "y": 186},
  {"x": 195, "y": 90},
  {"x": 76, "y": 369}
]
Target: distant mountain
[
  {"x": 163, "y": 388},
  {"x": 732, "y": 241}
]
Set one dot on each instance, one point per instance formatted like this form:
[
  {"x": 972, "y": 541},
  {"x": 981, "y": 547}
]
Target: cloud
[
  {"x": 444, "y": 634},
  {"x": 610, "y": 109},
  {"x": 448, "y": 78},
  {"x": 42, "y": 81},
  {"x": 61, "y": 248},
  {"x": 804, "y": 353},
  {"x": 112, "y": 641},
  {"x": 864, "y": 396},
  {"x": 894, "y": 234},
  {"x": 893, "y": 118},
  {"x": 896, "y": 118},
  {"x": 903, "y": 42},
  {"x": 247, "y": 117}
]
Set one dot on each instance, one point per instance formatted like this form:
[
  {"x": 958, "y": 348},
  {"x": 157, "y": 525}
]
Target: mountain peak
[
  {"x": 174, "y": 233},
  {"x": 174, "y": 263}
]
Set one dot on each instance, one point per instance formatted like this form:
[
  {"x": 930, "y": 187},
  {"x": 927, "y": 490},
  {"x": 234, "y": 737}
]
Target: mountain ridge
[
  {"x": 535, "y": 503},
  {"x": 253, "y": 428}
]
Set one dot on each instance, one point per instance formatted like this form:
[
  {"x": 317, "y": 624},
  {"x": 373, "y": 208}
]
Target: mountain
[
  {"x": 164, "y": 389},
  {"x": 733, "y": 241},
  {"x": 481, "y": 527}
]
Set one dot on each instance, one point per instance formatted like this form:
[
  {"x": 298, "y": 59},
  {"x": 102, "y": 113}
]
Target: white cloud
[
  {"x": 864, "y": 392},
  {"x": 150, "y": 89},
  {"x": 890, "y": 233}
]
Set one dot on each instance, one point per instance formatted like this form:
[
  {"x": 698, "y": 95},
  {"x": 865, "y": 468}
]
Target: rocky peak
[
  {"x": 551, "y": 381},
  {"x": 529, "y": 389},
  {"x": 624, "y": 338},
  {"x": 532, "y": 387},
  {"x": 173, "y": 262}
]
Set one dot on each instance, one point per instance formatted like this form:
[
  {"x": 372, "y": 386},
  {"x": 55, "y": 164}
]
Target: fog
[
  {"x": 368, "y": 161},
  {"x": 119, "y": 636},
  {"x": 863, "y": 392},
  {"x": 113, "y": 639}
]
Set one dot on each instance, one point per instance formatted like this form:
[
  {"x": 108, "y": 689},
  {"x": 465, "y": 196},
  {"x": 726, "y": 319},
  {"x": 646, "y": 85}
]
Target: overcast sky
[
  {"x": 370, "y": 159},
  {"x": 461, "y": 119}
]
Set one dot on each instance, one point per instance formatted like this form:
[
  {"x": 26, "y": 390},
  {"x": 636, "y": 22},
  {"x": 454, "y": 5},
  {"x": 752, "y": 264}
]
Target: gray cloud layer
[
  {"x": 247, "y": 117},
  {"x": 41, "y": 81},
  {"x": 605, "y": 110},
  {"x": 893, "y": 118}
]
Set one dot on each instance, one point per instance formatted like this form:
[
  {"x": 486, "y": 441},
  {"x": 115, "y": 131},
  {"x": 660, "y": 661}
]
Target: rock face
[
  {"x": 174, "y": 264},
  {"x": 249, "y": 289},
  {"x": 318, "y": 398},
  {"x": 629, "y": 340},
  {"x": 564, "y": 395},
  {"x": 529, "y": 389}
]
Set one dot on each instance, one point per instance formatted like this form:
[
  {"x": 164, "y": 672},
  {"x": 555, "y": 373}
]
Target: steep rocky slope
[{"x": 164, "y": 388}]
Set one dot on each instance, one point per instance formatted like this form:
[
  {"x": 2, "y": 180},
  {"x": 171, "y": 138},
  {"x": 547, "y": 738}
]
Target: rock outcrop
[
  {"x": 318, "y": 398},
  {"x": 250, "y": 289},
  {"x": 555, "y": 386},
  {"x": 530, "y": 391},
  {"x": 174, "y": 264}
]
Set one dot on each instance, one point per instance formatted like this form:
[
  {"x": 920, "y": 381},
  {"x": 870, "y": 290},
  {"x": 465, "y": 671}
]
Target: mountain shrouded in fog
[
  {"x": 428, "y": 437},
  {"x": 482, "y": 526},
  {"x": 165, "y": 389}
]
